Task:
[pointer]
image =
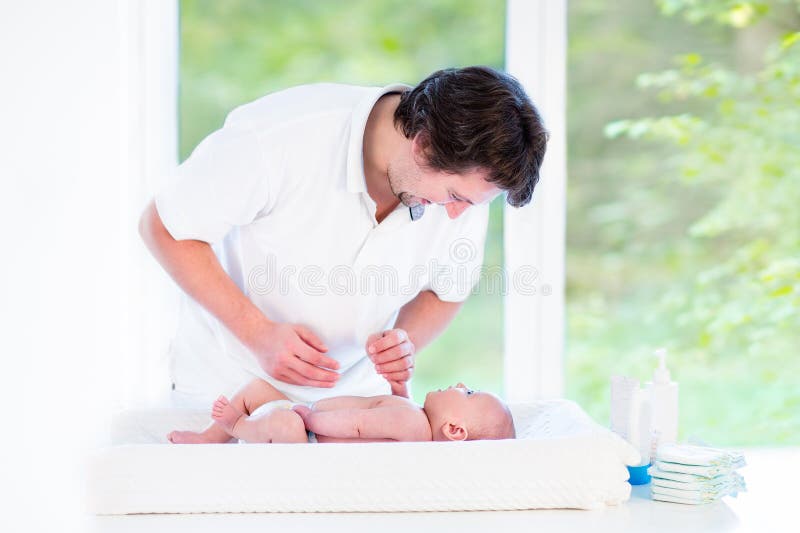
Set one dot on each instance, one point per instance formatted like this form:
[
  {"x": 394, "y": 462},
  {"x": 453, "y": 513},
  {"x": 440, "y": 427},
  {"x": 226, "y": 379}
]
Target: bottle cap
[
  {"x": 638, "y": 475},
  {"x": 661, "y": 373}
]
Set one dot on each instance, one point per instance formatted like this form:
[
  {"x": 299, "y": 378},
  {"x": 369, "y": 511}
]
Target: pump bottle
[{"x": 663, "y": 396}]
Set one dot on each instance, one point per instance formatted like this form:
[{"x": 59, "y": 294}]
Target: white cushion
[{"x": 561, "y": 459}]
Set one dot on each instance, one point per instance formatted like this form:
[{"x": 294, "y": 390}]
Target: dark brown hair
[{"x": 477, "y": 117}]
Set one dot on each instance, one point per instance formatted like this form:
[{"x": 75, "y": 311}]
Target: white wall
[{"x": 72, "y": 159}]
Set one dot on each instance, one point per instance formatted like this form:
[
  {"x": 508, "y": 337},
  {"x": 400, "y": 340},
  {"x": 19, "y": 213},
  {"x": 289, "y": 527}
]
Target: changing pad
[{"x": 560, "y": 459}]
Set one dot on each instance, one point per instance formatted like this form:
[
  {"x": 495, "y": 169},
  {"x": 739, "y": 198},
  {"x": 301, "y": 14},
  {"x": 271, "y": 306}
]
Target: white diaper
[{"x": 283, "y": 404}]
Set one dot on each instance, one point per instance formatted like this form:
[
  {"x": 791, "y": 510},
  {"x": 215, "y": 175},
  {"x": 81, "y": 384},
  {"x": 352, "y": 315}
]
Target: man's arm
[
  {"x": 425, "y": 317},
  {"x": 393, "y": 423},
  {"x": 195, "y": 268}
]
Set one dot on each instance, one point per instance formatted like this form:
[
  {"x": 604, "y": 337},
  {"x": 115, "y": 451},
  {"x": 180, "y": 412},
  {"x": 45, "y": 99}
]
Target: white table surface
[
  {"x": 45, "y": 496},
  {"x": 767, "y": 506}
]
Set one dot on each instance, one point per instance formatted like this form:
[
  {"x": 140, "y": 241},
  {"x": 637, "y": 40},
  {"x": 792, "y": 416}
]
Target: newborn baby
[{"x": 260, "y": 413}]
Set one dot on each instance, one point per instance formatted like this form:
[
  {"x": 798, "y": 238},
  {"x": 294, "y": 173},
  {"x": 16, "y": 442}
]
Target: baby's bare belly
[
  {"x": 324, "y": 439},
  {"x": 360, "y": 402}
]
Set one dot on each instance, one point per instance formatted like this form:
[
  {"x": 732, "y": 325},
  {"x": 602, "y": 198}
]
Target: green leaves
[
  {"x": 747, "y": 148},
  {"x": 679, "y": 129},
  {"x": 733, "y": 13},
  {"x": 684, "y": 223},
  {"x": 238, "y": 50},
  {"x": 790, "y": 40}
]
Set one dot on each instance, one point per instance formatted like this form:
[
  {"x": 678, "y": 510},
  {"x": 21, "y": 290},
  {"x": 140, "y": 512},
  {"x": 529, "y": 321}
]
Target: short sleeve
[
  {"x": 224, "y": 183},
  {"x": 460, "y": 260}
]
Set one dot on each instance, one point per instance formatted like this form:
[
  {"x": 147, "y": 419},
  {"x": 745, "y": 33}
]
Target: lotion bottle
[
  {"x": 630, "y": 418},
  {"x": 663, "y": 396}
]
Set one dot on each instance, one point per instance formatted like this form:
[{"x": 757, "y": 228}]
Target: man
[{"x": 277, "y": 224}]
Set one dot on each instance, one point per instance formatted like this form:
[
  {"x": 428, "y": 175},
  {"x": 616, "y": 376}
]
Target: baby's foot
[
  {"x": 188, "y": 437},
  {"x": 225, "y": 414}
]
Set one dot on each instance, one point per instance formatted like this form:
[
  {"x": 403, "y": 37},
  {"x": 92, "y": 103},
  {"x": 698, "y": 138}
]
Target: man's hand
[
  {"x": 304, "y": 412},
  {"x": 287, "y": 352},
  {"x": 392, "y": 353},
  {"x": 293, "y": 354}
]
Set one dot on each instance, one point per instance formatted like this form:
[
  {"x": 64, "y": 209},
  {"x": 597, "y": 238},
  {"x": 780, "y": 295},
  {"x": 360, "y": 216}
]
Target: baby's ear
[{"x": 454, "y": 431}]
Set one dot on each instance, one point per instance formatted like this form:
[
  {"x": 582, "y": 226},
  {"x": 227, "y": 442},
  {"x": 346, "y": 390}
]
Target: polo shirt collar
[{"x": 356, "y": 181}]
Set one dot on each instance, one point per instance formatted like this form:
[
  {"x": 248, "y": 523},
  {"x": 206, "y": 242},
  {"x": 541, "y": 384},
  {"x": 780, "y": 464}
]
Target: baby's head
[{"x": 459, "y": 413}]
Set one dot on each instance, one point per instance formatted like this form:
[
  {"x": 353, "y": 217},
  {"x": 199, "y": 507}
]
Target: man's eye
[{"x": 470, "y": 391}]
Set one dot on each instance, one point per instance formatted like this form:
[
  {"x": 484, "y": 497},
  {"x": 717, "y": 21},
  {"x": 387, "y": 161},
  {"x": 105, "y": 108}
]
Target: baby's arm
[{"x": 392, "y": 422}]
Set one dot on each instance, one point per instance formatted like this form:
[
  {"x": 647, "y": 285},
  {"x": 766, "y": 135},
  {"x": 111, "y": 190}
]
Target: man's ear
[
  {"x": 454, "y": 431},
  {"x": 419, "y": 146}
]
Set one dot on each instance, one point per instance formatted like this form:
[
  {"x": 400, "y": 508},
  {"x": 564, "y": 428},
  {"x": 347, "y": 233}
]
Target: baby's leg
[
  {"x": 278, "y": 425},
  {"x": 249, "y": 398}
]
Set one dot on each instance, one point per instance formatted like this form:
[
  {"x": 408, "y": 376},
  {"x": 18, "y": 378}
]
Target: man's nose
[{"x": 454, "y": 209}]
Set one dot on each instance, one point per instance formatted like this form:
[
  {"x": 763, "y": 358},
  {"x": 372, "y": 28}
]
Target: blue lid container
[{"x": 639, "y": 475}]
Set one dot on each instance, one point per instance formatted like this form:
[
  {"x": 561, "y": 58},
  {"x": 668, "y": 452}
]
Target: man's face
[{"x": 415, "y": 183}]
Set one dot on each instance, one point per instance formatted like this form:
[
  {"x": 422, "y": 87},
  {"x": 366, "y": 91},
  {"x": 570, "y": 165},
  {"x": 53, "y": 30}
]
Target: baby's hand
[{"x": 303, "y": 411}]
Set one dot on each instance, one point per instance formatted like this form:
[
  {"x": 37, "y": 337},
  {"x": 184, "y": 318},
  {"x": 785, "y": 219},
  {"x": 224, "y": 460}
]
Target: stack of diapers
[
  {"x": 689, "y": 474},
  {"x": 561, "y": 458}
]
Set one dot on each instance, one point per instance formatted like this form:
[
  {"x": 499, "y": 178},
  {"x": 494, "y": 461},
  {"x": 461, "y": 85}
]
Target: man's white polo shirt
[{"x": 279, "y": 192}]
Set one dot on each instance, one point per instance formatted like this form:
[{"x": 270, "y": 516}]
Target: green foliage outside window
[{"x": 728, "y": 283}]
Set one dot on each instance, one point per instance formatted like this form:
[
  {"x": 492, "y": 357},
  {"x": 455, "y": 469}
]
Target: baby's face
[{"x": 460, "y": 401}]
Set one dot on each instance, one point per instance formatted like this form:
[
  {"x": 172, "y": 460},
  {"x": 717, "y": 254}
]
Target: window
[
  {"x": 678, "y": 241},
  {"x": 236, "y": 51}
]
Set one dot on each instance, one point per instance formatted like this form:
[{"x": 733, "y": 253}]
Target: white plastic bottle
[
  {"x": 630, "y": 419},
  {"x": 663, "y": 395}
]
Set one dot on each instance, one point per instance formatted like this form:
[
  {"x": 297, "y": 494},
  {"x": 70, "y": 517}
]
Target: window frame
[{"x": 534, "y": 236}]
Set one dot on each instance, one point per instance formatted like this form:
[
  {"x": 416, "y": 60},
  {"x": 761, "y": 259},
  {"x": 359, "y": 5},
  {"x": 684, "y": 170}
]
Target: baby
[{"x": 260, "y": 413}]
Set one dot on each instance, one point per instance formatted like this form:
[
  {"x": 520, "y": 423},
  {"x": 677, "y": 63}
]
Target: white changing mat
[{"x": 560, "y": 459}]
